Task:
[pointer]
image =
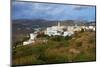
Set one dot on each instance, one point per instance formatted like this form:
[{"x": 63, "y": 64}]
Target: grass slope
[{"x": 79, "y": 47}]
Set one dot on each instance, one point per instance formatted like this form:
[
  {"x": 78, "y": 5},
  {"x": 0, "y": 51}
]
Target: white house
[
  {"x": 28, "y": 42},
  {"x": 92, "y": 28},
  {"x": 31, "y": 40},
  {"x": 68, "y": 33},
  {"x": 33, "y": 36},
  {"x": 54, "y": 30},
  {"x": 74, "y": 28},
  {"x": 89, "y": 28}
]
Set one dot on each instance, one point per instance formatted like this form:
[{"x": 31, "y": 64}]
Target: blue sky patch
[{"x": 50, "y": 11}]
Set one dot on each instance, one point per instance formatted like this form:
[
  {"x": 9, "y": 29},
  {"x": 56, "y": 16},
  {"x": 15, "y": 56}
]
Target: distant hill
[{"x": 26, "y": 25}]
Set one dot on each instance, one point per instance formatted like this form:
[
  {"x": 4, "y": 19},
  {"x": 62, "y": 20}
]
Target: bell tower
[{"x": 58, "y": 24}]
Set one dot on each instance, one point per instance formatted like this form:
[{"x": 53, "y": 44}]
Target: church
[{"x": 58, "y": 30}]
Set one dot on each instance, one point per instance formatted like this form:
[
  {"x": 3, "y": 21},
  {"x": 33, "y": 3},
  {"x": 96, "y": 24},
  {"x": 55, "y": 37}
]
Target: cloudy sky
[{"x": 31, "y": 10}]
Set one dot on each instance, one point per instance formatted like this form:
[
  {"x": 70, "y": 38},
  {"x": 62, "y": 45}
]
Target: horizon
[
  {"x": 54, "y": 20},
  {"x": 52, "y": 11}
]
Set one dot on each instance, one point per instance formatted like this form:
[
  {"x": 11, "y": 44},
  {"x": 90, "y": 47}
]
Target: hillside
[
  {"x": 77, "y": 48},
  {"x": 26, "y": 25}
]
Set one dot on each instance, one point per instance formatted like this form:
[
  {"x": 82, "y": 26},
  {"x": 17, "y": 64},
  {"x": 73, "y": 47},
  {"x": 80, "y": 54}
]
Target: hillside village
[
  {"x": 51, "y": 33},
  {"x": 56, "y": 44},
  {"x": 58, "y": 30}
]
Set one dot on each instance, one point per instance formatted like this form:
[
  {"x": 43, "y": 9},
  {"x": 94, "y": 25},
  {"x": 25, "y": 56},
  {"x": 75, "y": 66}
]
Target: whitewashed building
[
  {"x": 74, "y": 28},
  {"x": 54, "y": 30},
  {"x": 92, "y": 28},
  {"x": 68, "y": 33},
  {"x": 31, "y": 40},
  {"x": 58, "y": 30},
  {"x": 88, "y": 28},
  {"x": 28, "y": 42}
]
